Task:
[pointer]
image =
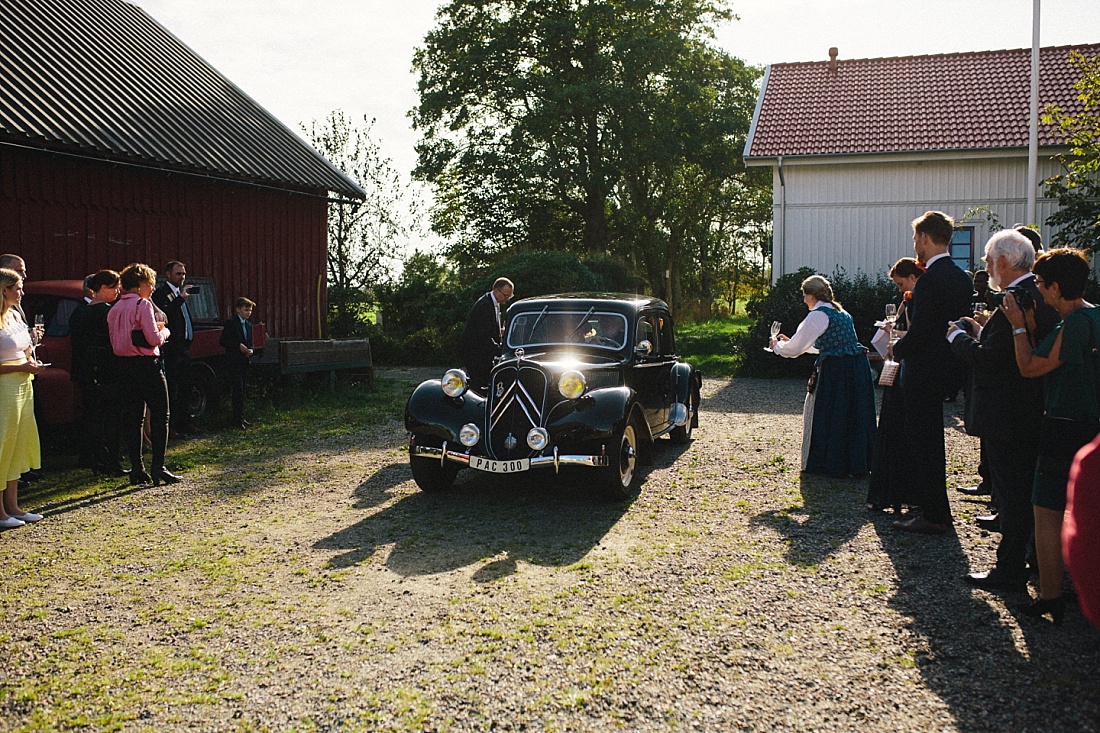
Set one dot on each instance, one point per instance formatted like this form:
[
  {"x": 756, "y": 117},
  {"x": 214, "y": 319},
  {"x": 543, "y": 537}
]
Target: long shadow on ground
[
  {"x": 537, "y": 518},
  {"x": 990, "y": 679}
]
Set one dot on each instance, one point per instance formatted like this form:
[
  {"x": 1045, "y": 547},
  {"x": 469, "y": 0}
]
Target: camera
[
  {"x": 963, "y": 326},
  {"x": 192, "y": 289},
  {"x": 1022, "y": 296}
]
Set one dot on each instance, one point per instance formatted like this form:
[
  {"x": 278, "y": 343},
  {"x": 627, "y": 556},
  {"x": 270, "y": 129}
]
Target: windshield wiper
[
  {"x": 531, "y": 333},
  {"x": 584, "y": 320}
]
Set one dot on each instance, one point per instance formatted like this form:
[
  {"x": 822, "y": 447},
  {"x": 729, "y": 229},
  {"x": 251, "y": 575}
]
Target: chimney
[{"x": 832, "y": 59}]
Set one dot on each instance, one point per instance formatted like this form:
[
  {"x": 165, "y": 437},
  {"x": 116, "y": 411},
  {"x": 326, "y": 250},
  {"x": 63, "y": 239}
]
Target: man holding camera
[
  {"x": 1003, "y": 409},
  {"x": 171, "y": 297}
]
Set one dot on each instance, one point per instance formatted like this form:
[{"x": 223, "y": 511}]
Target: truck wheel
[
  {"x": 204, "y": 391},
  {"x": 682, "y": 433},
  {"x": 431, "y": 475},
  {"x": 621, "y": 472}
]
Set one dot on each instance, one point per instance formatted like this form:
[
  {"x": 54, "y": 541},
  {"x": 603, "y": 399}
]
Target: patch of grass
[{"x": 708, "y": 345}]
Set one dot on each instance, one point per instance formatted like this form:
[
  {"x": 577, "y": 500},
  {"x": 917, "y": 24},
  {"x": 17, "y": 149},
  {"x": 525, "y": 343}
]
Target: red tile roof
[{"x": 957, "y": 101}]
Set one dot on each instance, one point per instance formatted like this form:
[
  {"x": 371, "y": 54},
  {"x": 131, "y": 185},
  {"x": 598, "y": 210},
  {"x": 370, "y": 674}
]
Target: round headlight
[
  {"x": 538, "y": 438},
  {"x": 572, "y": 384},
  {"x": 469, "y": 435},
  {"x": 454, "y": 383}
]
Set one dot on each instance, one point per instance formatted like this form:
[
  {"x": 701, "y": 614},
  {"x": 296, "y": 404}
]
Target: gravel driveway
[{"x": 318, "y": 589}]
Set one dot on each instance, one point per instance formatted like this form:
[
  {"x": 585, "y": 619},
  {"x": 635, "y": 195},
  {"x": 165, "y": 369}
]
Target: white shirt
[
  {"x": 808, "y": 332},
  {"x": 15, "y": 338}
]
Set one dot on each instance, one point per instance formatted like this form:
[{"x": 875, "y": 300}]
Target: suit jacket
[
  {"x": 480, "y": 340},
  {"x": 942, "y": 294},
  {"x": 233, "y": 335},
  {"x": 166, "y": 300},
  {"x": 1001, "y": 403}
]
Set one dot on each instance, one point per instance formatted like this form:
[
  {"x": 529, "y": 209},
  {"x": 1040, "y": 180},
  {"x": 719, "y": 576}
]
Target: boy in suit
[{"x": 236, "y": 339}]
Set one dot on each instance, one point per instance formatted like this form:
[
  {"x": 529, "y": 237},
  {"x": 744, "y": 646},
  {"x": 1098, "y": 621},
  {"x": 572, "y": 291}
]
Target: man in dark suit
[
  {"x": 1004, "y": 409},
  {"x": 236, "y": 339},
  {"x": 481, "y": 339},
  {"x": 171, "y": 297},
  {"x": 929, "y": 371}
]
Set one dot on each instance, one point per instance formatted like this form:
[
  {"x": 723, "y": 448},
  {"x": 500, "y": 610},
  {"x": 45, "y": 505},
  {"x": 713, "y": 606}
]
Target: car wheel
[
  {"x": 431, "y": 475},
  {"x": 204, "y": 391},
  {"x": 683, "y": 433},
  {"x": 622, "y": 468}
]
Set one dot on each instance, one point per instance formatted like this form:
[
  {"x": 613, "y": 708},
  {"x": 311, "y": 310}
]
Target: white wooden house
[{"x": 860, "y": 148}]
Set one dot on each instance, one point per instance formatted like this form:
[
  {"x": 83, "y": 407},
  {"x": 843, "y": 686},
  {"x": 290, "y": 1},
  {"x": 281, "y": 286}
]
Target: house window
[{"x": 962, "y": 247}]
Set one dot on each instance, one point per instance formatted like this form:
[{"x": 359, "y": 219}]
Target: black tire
[
  {"x": 683, "y": 433},
  {"x": 431, "y": 475},
  {"x": 204, "y": 391},
  {"x": 621, "y": 473}
]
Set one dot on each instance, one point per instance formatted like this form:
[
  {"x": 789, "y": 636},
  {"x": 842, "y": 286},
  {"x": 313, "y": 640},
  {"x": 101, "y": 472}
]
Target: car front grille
[{"x": 517, "y": 403}]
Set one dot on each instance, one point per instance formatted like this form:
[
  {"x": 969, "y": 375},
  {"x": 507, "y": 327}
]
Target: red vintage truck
[{"x": 56, "y": 397}]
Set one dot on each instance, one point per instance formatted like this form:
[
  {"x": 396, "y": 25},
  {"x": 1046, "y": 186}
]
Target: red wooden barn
[{"x": 119, "y": 144}]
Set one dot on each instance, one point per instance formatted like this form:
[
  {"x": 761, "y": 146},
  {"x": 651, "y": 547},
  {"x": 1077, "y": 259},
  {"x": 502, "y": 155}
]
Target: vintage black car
[{"x": 585, "y": 380}]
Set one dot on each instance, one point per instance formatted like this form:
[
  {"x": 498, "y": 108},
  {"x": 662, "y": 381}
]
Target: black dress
[{"x": 891, "y": 458}]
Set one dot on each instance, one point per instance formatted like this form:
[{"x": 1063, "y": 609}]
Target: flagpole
[{"x": 1033, "y": 124}]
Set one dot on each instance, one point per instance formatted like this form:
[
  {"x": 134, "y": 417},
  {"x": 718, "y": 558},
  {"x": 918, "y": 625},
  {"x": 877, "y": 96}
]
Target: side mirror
[{"x": 644, "y": 348}]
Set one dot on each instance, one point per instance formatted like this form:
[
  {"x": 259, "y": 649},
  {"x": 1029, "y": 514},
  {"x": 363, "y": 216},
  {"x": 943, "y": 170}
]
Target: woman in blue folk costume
[{"x": 838, "y": 418}]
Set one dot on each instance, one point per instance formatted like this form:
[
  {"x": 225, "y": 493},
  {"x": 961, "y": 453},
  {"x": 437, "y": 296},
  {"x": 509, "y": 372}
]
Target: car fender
[
  {"x": 430, "y": 412},
  {"x": 597, "y": 416},
  {"x": 684, "y": 379}
]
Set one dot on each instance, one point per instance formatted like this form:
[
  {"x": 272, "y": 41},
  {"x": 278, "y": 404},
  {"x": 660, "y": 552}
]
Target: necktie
[
  {"x": 188, "y": 333},
  {"x": 248, "y": 334}
]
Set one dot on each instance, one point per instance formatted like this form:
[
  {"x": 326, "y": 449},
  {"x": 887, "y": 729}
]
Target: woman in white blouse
[
  {"x": 838, "y": 419},
  {"x": 19, "y": 447}
]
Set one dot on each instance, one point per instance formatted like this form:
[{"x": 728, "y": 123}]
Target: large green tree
[
  {"x": 604, "y": 126},
  {"x": 1078, "y": 188}
]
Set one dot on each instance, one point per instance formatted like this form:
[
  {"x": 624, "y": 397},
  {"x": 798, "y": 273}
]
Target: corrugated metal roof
[
  {"x": 959, "y": 101},
  {"x": 102, "y": 78}
]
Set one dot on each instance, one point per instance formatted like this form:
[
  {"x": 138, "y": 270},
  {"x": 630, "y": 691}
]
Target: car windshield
[{"x": 602, "y": 329}]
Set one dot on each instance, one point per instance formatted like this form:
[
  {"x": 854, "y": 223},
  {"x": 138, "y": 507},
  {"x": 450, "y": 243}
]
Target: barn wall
[
  {"x": 68, "y": 217},
  {"x": 857, "y": 216}
]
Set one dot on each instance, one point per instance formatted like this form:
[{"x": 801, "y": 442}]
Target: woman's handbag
[
  {"x": 137, "y": 336},
  {"x": 889, "y": 373}
]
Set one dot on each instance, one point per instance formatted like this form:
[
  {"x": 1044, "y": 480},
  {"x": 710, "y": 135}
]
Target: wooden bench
[{"x": 325, "y": 355}]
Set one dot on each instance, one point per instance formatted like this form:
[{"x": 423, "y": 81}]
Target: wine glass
[
  {"x": 891, "y": 313},
  {"x": 37, "y": 334},
  {"x": 776, "y": 325}
]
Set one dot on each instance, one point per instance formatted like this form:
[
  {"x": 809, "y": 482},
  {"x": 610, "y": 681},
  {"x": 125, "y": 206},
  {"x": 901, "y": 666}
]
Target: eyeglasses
[{"x": 1040, "y": 283}]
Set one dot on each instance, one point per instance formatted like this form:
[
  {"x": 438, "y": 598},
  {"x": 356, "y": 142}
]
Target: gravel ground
[{"x": 317, "y": 589}]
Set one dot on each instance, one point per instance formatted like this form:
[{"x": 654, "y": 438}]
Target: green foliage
[
  {"x": 424, "y": 312},
  {"x": 708, "y": 345},
  {"x": 862, "y": 296},
  {"x": 596, "y": 126},
  {"x": 362, "y": 235},
  {"x": 1078, "y": 189}
]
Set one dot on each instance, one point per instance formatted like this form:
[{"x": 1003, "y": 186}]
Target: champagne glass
[
  {"x": 776, "y": 325},
  {"x": 37, "y": 334},
  {"x": 891, "y": 313}
]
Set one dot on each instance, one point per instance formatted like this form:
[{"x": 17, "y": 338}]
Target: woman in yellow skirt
[{"x": 19, "y": 448}]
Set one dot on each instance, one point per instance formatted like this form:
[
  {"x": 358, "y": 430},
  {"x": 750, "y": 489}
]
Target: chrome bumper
[{"x": 557, "y": 460}]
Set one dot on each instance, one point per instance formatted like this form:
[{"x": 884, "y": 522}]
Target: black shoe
[
  {"x": 996, "y": 580},
  {"x": 990, "y": 522},
  {"x": 1056, "y": 607},
  {"x": 979, "y": 490},
  {"x": 164, "y": 476},
  {"x": 137, "y": 478}
]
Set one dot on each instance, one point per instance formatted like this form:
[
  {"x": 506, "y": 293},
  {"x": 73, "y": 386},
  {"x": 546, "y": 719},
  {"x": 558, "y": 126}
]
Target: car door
[{"x": 652, "y": 372}]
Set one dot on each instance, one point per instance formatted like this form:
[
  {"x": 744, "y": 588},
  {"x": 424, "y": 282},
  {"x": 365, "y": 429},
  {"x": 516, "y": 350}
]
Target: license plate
[{"x": 487, "y": 464}]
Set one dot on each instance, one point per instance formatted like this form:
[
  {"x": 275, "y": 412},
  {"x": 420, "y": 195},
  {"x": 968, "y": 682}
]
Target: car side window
[
  {"x": 647, "y": 332},
  {"x": 666, "y": 338}
]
